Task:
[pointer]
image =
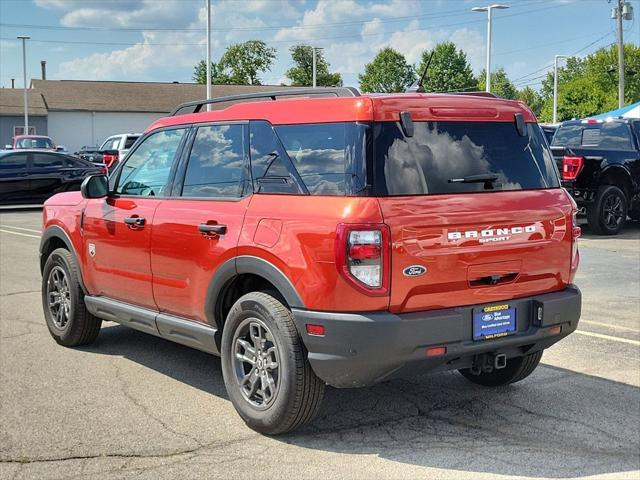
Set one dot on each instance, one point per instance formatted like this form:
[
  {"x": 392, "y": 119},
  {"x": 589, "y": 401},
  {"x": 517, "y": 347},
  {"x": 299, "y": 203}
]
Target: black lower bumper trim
[{"x": 360, "y": 349}]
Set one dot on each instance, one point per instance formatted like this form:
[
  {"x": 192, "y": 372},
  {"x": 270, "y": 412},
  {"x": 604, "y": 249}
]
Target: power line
[{"x": 302, "y": 40}]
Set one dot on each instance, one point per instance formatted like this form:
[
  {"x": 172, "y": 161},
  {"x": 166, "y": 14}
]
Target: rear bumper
[
  {"x": 360, "y": 349},
  {"x": 582, "y": 196}
]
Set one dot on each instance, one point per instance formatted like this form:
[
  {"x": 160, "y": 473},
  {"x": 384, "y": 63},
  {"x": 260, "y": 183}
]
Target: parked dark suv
[
  {"x": 310, "y": 241},
  {"x": 600, "y": 166}
]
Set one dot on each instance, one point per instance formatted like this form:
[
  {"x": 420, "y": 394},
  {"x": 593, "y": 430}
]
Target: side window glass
[
  {"x": 270, "y": 165},
  {"x": 319, "y": 153},
  {"x": 42, "y": 160},
  {"x": 146, "y": 171},
  {"x": 216, "y": 166},
  {"x": 13, "y": 162}
]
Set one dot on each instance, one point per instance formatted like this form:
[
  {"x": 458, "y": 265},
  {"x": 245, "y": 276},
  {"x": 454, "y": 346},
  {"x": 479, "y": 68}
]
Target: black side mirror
[{"x": 95, "y": 186}]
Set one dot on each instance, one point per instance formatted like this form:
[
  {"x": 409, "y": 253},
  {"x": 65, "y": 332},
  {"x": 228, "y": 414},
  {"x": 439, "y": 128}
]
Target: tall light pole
[
  {"x": 208, "y": 54},
  {"x": 315, "y": 63},
  {"x": 489, "y": 9},
  {"x": 24, "y": 39},
  {"x": 555, "y": 86}
]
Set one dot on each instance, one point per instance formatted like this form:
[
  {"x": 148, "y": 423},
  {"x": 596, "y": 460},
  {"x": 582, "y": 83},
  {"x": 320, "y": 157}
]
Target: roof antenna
[{"x": 416, "y": 87}]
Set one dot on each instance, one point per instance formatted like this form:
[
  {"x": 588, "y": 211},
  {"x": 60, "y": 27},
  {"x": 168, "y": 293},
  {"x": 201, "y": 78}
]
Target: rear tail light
[
  {"x": 362, "y": 256},
  {"x": 109, "y": 159},
  {"x": 571, "y": 167},
  {"x": 103, "y": 170}
]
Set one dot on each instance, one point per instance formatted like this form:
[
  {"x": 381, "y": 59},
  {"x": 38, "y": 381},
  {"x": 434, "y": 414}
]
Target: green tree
[
  {"x": 590, "y": 86},
  {"x": 449, "y": 70},
  {"x": 388, "y": 72},
  {"x": 241, "y": 64},
  {"x": 301, "y": 74},
  {"x": 217, "y": 77},
  {"x": 500, "y": 84},
  {"x": 532, "y": 98}
]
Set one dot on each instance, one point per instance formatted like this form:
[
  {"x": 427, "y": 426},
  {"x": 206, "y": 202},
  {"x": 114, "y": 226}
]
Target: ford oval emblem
[{"x": 414, "y": 271}]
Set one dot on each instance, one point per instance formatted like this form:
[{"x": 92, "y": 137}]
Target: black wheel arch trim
[
  {"x": 244, "y": 264},
  {"x": 618, "y": 169},
  {"x": 58, "y": 233}
]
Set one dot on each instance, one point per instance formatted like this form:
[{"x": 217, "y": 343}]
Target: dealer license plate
[{"x": 493, "y": 321}]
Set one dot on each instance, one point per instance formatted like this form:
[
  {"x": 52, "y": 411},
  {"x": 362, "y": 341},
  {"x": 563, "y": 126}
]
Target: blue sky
[{"x": 161, "y": 40}]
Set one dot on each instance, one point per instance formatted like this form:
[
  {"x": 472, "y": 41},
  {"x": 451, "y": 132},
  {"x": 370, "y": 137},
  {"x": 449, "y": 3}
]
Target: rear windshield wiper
[{"x": 482, "y": 178}]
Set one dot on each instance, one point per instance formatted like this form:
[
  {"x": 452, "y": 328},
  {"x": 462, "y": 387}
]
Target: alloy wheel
[
  {"x": 613, "y": 210},
  {"x": 59, "y": 297},
  {"x": 256, "y": 363}
]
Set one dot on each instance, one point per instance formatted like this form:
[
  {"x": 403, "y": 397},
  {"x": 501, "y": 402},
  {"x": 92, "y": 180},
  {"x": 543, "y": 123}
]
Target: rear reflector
[
  {"x": 555, "y": 330},
  {"x": 435, "y": 351},
  {"x": 571, "y": 167},
  {"x": 313, "y": 329}
]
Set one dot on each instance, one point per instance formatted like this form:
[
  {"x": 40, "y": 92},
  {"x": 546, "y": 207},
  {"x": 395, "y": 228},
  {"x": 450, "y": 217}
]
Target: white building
[{"x": 87, "y": 112}]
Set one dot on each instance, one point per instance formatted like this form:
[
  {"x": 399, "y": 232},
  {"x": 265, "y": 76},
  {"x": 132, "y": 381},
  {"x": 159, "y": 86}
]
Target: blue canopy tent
[{"x": 630, "y": 111}]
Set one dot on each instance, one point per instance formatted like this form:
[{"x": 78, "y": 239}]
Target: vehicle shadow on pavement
[
  {"x": 631, "y": 231},
  {"x": 557, "y": 423}
]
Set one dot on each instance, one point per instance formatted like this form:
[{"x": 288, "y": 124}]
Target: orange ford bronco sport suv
[{"x": 325, "y": 237}]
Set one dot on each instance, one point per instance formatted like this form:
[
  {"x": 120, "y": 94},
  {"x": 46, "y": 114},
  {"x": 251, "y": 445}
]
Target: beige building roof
[
  {"x": 153, "y": 97},
  {"x": 11, "y": 102}
]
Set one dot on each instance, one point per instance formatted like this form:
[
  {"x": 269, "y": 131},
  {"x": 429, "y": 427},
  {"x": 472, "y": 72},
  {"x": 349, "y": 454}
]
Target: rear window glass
[
  {"x": 606, "y": 136},
  {"x": 327, "y": 156},
  {"x": 460, "y": 157}
]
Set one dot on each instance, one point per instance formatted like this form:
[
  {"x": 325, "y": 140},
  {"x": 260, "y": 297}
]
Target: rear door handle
[
  {"x": 135, "y": 221},
  {"x": 207, "y": 229}
]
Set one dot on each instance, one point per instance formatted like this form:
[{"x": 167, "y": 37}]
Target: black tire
[
  {"x": 516, "y": 369},
  {"x": 608, "y": 214},
  {"x": 298, "y": 392},
  {"x": 75, "y": 326}
]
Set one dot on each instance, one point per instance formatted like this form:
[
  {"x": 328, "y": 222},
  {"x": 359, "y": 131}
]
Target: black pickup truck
[{"x": 599, "y": 162}]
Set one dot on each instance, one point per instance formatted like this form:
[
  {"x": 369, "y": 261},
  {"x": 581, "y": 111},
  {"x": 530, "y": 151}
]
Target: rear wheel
[
  {"x": 266, "y": 372},
  {"x": 69, "y": 322},
  {"x": 516, "y": 369},
  {"x": 608, "y": 213}
]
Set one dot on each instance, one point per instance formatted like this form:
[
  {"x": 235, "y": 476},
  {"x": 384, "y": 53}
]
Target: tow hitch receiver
[{"x": 488, "y": 362}]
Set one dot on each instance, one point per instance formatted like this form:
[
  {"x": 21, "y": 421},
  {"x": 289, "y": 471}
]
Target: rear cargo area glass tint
[{"x": 441, "y": 157}]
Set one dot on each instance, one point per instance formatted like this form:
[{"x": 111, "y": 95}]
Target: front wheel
[
  {"x": 516, "y": 369},
  {"x": 68, "y": 319},
  {"x": 265, "y": 369},
  {"x": 608, "y": 213}
]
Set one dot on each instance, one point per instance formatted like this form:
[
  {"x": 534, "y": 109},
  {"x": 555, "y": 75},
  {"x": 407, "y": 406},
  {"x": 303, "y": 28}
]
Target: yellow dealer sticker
[{"x": 495, "y": 308}]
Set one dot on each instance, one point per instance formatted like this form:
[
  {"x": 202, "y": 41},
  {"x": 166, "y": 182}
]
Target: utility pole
[
  {"x": 24, "y": 39},
  {"x": 313, "y": 83},
  {"x": 489, "y": 9},
  {"x": 314, "y": 67},
  {"x": 620, "y": 54},
  {"x": 208, "y": 54},
  {"x": 555, "y": 86}
]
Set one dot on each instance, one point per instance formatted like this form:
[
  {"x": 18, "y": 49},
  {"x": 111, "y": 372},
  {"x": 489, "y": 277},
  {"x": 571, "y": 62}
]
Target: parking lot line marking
[
  {"x": 21, "y": 234},
  {"x": 4, "y": 225},
  {"x": 609, "y": 337},
  {"x": 601, "y": 324}
]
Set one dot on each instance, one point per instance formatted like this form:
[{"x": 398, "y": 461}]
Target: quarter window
[
  {"x": 270, "y": 165},
  {"x": 217, "y": 162},
  {"x": 147, "y": 170}
]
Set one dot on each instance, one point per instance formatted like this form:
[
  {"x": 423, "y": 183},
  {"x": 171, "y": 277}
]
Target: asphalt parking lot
[{"x": 133, "y": 405}]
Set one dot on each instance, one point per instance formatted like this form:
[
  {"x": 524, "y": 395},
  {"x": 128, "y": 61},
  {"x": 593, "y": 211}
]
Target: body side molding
[{"x": 176, "y": 329}]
